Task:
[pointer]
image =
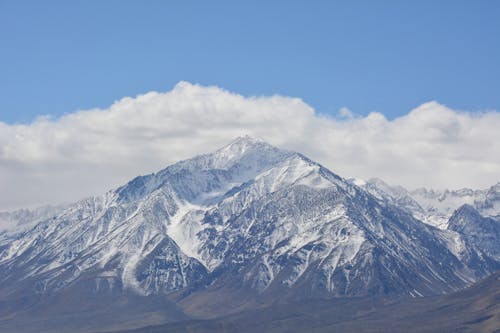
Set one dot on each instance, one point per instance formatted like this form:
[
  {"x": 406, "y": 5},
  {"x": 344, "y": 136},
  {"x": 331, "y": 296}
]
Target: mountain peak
[
  {"x": 249, "y": 149},
  {"x": 243, "y": 143},
  {"x": 247, "y": 139},
  {"x": 466, "y": 208},
  {"x": 249, "y": 216}
]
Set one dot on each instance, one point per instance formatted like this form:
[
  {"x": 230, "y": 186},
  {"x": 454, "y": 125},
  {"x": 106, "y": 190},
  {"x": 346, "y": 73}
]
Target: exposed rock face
[{"x": 253, "y": 216}]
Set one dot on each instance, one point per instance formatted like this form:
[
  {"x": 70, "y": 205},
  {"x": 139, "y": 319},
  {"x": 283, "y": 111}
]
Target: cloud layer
[{"x": 88, "y": 152}]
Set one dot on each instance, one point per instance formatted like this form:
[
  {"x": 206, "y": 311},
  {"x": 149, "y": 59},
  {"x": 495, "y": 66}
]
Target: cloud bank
[{"x": 88, "y": 152}]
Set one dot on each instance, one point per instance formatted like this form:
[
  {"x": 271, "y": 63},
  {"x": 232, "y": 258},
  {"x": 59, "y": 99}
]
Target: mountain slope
[
  {"x": 431, "y": 206},
  {"x": 14, "y": 223},
  {"x": 474, "y": 310},
  {"x": 249, "y": 219},
  {"x": 482, "y": 232}
]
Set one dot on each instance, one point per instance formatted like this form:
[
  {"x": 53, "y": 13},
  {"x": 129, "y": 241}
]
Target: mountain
[
  {"x": 482, "y": 232},
  {"x": 431, "y": 206},
  {"x": 246, "y": 225},
  {"x": 15, "y": 222},
  {"x": 473, "y": 310}
]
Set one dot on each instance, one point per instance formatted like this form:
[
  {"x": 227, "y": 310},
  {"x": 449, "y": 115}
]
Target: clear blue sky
[{"x": 388, "y": 56}]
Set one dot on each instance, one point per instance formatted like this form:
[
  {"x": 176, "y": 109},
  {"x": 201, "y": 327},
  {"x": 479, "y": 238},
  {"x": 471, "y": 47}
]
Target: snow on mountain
[
  {"x": 440, "y": 205},
  {"x": 490, "y": 204},
  {"x": 118, "y": 232},
  {"x": 482, "y": 232},
  {"x": 394, "y": 195},
  {"x": 248, "y": 215},
  {"x": 435, "y": 207},
  {"x": 15, "y": 222}
]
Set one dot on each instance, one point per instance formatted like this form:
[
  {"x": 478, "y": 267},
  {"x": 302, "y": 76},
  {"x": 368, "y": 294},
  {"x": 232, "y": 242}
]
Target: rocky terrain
[{"x": 242, "y": 228}]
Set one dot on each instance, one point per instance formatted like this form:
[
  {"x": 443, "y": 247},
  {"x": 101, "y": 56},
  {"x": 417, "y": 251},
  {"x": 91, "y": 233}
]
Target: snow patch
[{"x": 183, "y": 229}]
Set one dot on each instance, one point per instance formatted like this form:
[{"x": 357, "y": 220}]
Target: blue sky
[{"x": 386, "y": 56}]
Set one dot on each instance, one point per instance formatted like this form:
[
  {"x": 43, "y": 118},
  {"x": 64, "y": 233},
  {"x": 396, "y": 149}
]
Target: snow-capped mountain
[
  {"x": 16, "y": 222},
  {"x": 482, "y": 232},
  {"x": 431, "y": 206},
  {"x": 248, "y": 216}
]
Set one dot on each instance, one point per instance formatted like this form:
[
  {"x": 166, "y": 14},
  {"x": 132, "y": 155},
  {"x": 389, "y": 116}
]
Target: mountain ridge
[
  {"x": 249, "y": 219},
  {"x": 434, "y": 207}
]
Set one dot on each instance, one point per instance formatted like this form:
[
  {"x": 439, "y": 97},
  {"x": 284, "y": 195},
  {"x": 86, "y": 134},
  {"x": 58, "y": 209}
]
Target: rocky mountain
[
  {"x": 249, "y": 219},
  {"x": 18, "y": 221},
  {"x": 482, "y": 232},
  {"x": 431, "y": 206},
  {"x": 472, "y": 310}
]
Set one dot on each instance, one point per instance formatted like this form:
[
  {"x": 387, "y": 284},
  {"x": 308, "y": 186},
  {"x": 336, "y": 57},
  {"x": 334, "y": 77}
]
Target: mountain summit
[{"x": 249, "y": 219}]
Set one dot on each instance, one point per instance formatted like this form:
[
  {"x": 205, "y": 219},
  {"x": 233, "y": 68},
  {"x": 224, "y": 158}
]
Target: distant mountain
[
  {"x": 16, "y": 222},
  {"x": 431, "y": 206},
  {"x": 248, "y": 224},
  {"x": 482, "y": 232}
]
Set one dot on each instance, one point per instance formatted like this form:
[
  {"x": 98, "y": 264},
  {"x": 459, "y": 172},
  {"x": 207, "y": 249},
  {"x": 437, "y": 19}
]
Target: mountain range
[
  {"x": 431, "y": 206},
  {"x": 247, "y": 226}
]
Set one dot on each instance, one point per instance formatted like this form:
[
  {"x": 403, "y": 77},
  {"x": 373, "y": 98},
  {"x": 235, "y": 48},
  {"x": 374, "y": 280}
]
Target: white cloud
[
  {"x": 346, "y": 113},
  {"x": 88, "y": 152}
]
